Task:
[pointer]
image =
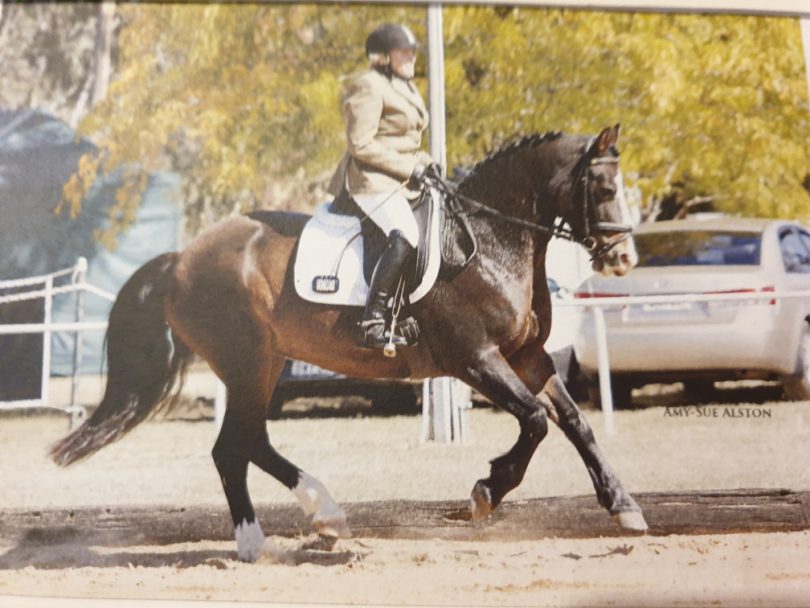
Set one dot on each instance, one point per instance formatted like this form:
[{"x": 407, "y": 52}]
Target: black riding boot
[{"x": 383, "y": 285}]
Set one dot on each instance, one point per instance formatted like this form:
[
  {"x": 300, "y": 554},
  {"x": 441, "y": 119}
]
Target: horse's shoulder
[{"x": 286, "y": 223}]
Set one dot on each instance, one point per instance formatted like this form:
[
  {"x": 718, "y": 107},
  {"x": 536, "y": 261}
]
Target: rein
[
  {"x": 453, "y": 194},
  {"x": 559, "y": 229}
]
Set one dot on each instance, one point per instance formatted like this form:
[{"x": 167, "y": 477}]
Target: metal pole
[
  {"x": 446, "y": 414},
  {"x": 426, "y": 405},
  {"x": 804, "y": 24},
  {"x": 438, "y": 391},
  {"x": 604, "y": 370},
  {"x": 435, "y": 47},
  {"x": 455, "y": 409},
  {"x": 46, "y": 340}
]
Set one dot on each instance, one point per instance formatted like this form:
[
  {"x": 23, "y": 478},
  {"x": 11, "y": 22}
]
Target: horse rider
[{"x": 384, "y": 168}]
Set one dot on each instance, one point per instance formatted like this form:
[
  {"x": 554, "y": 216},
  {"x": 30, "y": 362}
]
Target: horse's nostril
[{"x": 624, "y": 259}]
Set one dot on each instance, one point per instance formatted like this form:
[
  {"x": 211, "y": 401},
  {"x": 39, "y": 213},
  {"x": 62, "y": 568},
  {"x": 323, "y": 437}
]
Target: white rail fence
[
  {"x": 443, "y": 420},
  {"x": 45, "y": 287},
  {"x": 598, "y": 305}
]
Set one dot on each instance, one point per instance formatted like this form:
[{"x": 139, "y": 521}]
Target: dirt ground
[{"x": 363, "y": 457}]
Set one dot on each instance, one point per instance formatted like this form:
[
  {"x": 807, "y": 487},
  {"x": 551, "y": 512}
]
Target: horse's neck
[{"x": 519, "y": 182}]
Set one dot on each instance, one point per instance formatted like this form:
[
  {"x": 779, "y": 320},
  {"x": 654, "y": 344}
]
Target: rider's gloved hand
[
  {"x": 423, "y": 172},
  {"x": 417, "y": 176},
  {"x": 433, "y": 171}
]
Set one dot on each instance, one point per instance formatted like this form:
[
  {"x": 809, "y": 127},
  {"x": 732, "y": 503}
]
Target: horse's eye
[
  {"x": 607, "y": 191},
  {"x": 603, "y": 187}
]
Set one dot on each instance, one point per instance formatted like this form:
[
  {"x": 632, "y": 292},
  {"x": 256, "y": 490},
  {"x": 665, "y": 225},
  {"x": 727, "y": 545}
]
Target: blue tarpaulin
[{"x": 38, "y": 153}]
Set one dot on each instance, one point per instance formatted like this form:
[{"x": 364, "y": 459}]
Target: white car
[{"x": 699, "y": 342}]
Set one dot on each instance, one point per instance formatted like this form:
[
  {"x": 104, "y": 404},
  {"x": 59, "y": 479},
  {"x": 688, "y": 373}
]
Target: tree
[
  {"x": 46, "y": 50},
  {"x": 245, "y": 104},
  {"x": 711, "y": 105},
  {"x": 238, "y": 104}
]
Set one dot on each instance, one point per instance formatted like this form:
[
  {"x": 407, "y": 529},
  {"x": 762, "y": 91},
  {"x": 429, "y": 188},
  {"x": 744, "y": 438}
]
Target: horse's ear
[
  {"x": 606, "y": 139},
  {"x": 614, "y": 132}
]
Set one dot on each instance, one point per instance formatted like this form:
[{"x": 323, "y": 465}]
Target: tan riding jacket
[{"x": 385, "y": 119}]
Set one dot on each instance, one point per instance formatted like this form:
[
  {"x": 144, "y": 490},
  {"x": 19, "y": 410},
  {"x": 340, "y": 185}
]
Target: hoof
[
  {"x": 334, "y": 526},
  {"x": 480, "y": 502},
  {"x": 631, "y": 520},
  {"x": 249, "y": 541}
]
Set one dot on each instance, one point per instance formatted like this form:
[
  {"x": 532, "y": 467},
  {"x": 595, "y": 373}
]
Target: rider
[{"x": 385, "y": 117}]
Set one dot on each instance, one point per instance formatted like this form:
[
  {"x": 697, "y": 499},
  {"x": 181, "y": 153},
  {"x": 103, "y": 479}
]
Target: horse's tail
[{"x": 145, "y": 363}]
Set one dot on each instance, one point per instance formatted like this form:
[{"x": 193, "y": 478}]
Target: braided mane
[{"x": 493, "y": 165}]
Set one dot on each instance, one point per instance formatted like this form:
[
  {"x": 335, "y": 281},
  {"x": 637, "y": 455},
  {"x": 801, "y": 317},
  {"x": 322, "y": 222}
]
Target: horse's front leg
[
  {"x": 492, "y": 375},
  {"x": 536, "y": 368}
]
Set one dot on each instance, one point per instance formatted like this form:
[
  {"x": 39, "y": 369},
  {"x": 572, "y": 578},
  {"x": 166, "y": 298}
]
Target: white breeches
[{"x": 390, "y": 212}]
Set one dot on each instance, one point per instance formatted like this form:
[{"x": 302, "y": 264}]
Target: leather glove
[
  {"x": 433, "y": 171},
  {"x": 417, "y": 177},
  {"x": 422, "y": 172}
]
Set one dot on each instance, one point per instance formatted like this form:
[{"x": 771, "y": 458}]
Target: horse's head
[{"x": 599, "y": 218}]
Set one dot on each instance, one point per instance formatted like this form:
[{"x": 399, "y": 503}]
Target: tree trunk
[{"x": 103, "y": 52}]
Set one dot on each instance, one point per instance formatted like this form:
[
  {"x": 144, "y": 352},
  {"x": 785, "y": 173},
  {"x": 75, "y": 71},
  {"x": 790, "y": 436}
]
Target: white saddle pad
[{"x": 331, "y": 246}]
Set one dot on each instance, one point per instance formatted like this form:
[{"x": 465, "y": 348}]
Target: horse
[{"x": 229, "y": 298}]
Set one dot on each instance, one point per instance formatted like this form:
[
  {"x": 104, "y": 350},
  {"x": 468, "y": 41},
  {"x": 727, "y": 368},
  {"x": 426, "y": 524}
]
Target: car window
[
  {"x": 804, "y": 237},
  {"x": 795, "y": 250},
  {"x": 698, "y": 248}
]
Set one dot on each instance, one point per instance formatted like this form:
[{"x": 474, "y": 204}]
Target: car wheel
[
  {"x": 797, "y": 386},
  {"x": 621, "y": 390},
  {"x": 698, "y": 390}
]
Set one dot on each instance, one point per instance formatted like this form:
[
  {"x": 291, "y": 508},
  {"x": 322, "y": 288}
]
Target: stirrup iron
[{"x": 390, "y": 348}]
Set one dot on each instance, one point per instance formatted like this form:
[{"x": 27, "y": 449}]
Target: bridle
[
  {"x": 561, "y": 228},
  {"x": 590, "y": 222}
]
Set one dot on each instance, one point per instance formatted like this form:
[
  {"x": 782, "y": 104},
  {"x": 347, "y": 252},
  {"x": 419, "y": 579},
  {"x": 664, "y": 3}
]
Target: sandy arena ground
[{"x": 363, "y": 458}]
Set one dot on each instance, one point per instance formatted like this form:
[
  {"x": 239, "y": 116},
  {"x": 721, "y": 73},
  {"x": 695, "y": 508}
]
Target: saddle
[{"x": 337, "y": 252}]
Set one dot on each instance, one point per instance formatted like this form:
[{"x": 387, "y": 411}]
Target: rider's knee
[
  {"x": 399, "y": 239},
  {"x": 407, "y": 230}
]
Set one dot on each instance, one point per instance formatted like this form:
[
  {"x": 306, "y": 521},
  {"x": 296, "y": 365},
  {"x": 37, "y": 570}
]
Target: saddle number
[{"x": 325, "y": 284}]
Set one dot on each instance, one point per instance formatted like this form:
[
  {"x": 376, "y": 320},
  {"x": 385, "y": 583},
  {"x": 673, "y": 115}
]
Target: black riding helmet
[{"x": 388, "y": 37}]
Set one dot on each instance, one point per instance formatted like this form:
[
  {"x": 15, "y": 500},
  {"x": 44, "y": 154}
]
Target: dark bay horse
[{"x": 229, "y": 297}]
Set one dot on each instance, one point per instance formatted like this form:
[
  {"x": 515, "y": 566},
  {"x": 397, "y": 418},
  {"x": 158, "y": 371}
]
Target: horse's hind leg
[
  {"x": 537, "y": 370},
  {"x": 328, "y": 518},
  {"x": 243, "y": 433},
  {"x": 243, "y": 439}
]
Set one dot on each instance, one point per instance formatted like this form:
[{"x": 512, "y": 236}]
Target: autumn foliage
[{"x": 244, "y": 100}]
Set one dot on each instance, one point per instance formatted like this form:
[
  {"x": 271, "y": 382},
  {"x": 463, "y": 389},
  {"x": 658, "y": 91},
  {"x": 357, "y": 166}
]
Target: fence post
[
  {"x": 46, "y": 340},
  {"x": 77, "y": 412},
  {"x": 604, "y": 369},
  {"x": 445, "y": 402},
  {"x": 426, "y": 423},
  {"x": 77, "y": 279}
]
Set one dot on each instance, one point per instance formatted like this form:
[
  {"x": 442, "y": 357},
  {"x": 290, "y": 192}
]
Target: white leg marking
[
  {"x": 249, "y": 541},
  {"x": 631, "y": 520},
  {"x": 327, "y": 517}
]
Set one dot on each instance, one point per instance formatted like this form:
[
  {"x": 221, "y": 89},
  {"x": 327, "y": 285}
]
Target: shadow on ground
[
  {"x": 34, "y": 550},
  {"x": 723, "y": 393}
]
